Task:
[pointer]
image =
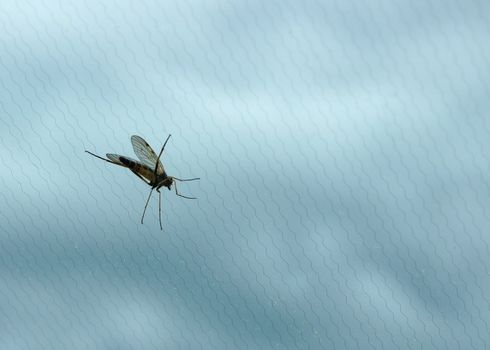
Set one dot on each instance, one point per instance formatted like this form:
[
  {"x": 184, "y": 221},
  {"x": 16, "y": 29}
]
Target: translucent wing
[
  {"x": 146, "y": 154},
  {"x": 116, "y": 158}
]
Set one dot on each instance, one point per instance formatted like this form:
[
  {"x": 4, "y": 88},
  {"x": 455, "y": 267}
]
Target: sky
[{"x": 342, "y": 153}]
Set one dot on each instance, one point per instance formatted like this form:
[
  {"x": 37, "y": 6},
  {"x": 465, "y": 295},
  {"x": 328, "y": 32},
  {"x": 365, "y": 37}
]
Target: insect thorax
[{"x": 164, "y": 181}]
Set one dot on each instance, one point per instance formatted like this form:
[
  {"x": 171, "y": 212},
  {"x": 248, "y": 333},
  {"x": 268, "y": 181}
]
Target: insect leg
[
  {"x": 180, "y": 195},
  {"x": 196, "y": 178},
  {"x": 146, "y": 205},
  {"x": 160, "y": 209},
  {"x": 104, "y": 159},
  {"x": 159, "y": 154}
]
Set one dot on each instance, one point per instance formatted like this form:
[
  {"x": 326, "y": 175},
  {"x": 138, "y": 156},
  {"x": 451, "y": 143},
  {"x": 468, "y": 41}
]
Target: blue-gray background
[{"x": 343, "y": 150}]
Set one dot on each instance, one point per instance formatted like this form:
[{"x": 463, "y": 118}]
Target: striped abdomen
[{"x": 139, "y": 168}]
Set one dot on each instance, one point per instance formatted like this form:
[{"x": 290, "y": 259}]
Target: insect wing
[
  {"x": 116, "y": 158},
  {"x": 146, "y": 154}
]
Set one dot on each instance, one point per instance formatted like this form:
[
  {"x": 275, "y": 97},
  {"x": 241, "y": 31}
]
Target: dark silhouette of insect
[{"x": 149, "y": 169}]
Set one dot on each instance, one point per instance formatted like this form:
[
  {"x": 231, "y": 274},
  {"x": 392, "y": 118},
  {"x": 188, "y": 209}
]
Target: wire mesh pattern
[{"x": 343, "y": 154}]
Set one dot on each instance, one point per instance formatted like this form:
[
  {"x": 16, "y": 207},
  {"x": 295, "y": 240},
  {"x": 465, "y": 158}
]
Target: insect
[{"x": 149, "y": 169}]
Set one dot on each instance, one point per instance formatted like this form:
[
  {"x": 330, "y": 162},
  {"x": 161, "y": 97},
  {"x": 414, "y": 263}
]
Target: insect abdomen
[
  {"x": 127, "y": 162},
  {"x": 137, "y": 167}
]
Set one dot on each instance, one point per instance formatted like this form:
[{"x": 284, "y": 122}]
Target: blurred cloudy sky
[{"x": 343, "y": 153}]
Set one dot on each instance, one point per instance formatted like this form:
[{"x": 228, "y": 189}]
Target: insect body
[{"x": 149, "y": 169}]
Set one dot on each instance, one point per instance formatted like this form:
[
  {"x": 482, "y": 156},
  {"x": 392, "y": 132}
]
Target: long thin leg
[
  {"x": 160, "y": 209},
  {"x": 110, "y": 161},
  {"x": 159, "y": 154},
  {"x": 144, "y": 211},
  {"x": 104, "y": 159},
  {"x": 183, "y": 180},
  {"x": 180, "y": 195}
]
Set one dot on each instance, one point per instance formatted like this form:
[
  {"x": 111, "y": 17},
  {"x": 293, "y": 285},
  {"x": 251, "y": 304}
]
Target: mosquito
[{"x": 149, "y": 169}]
